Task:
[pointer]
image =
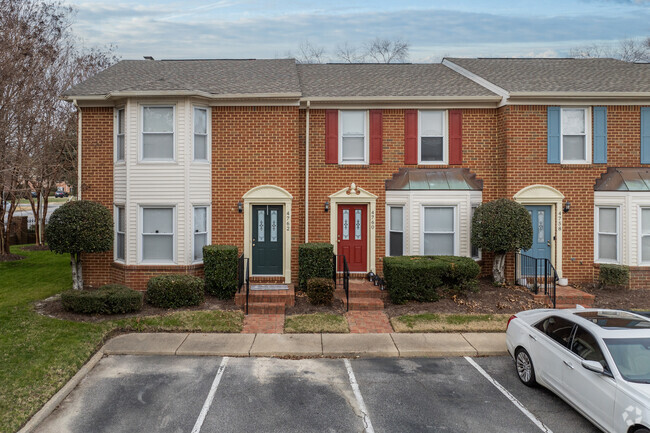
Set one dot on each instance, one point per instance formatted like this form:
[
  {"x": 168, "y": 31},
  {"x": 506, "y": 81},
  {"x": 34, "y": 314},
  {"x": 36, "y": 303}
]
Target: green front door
[{"x": 267, "y": 240}]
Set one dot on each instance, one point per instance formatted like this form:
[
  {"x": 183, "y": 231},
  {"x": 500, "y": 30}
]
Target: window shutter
[
  {"x": 645, "y": 135},
  {"x": 376, "y": 135},
  {"x": 411, "y": 137},
  {"x": 600, "y": 135},
  {"x": 455, "y": 137},
  {"x": 331, "y": 136},
  {"x": 553, "y": 132}
]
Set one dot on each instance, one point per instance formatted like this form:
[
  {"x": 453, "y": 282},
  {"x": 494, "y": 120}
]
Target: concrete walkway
[{"x": 310, "y": 345}]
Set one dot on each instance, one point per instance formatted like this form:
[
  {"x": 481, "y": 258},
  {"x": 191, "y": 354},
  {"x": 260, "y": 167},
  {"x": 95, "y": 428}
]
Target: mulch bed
[
  {"x": 10, "y": 257},
  {"x": 303, "y": 306},
  {"x": 52, "y": 307},
  {"x": 619, "y": 299},
  {"x": 35, "y": 248}
]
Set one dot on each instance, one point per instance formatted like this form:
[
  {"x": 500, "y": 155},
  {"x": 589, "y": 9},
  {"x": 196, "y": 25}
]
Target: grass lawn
[
  {"x": 315, "y": 323},
  {"x": 431, "y": 322},
  {"x": 38, "y": 354}
]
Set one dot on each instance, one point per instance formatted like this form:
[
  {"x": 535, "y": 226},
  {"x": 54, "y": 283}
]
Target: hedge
[
  {"x": 320, "y": 291},
  {"x": 420, "y": 278},
  {"x": 315, "y": 260},
  {"x": 613, "y": 275},
  {"x": 220, "y": 267},
  {"x": 108, "y": 299},
  {"x": 175, "y": 290}
]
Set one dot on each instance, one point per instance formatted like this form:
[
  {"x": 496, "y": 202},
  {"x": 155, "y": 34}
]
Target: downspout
[
  {"x": 307, "y": 174},
  {"x": 74, "y": 101}
]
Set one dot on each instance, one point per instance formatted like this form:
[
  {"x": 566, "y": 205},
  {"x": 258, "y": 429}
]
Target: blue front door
[{"x": 541, "y": 216}]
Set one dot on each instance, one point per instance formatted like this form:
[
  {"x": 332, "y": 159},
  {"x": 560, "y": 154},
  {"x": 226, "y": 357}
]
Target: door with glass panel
[
  {"x": 353, "y": 237},
  {"x": 267, "y": 240},
  {"x": 541, "y": 248}
]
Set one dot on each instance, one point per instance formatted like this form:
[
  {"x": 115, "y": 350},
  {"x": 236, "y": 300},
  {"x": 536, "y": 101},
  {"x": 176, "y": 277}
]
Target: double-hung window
[
  {"x": 120, "y": 233},
  {"x": 396, "y": 230},
  {"x": 200, "y": 231},
  {"x": 119, "y": 134},
  {"x": 158, "y": 234},
  {"x": 575, "y": 144},
  {"x": 645, "y": 235},
  {"x": 439, "y": 232},
  {"x": 432, "y": 139},
  {"x": 200, "y": 134},
  {"x": 158, "y": 133},
  {"x": 607, "y": 234},
  {"x": 353, "y": 137}
]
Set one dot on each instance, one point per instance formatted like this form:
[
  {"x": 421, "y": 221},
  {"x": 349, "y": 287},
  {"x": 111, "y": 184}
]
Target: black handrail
[
  {"x": 532, "y": 273},
  {"x": 243, "y": 278},
  {"x": 343, "y": 275}
]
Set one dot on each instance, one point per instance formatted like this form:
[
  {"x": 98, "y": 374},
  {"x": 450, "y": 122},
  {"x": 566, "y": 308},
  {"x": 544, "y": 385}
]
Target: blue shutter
[
  {"x": 600, "y": 135},
  {"x": 645, "y": 135},
  {"x": 553, "y": 120}
]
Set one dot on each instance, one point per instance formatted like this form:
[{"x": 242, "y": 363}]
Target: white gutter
[
  {"x": 74, "y": 101},
  {"x": 307, "y": 174},
  {"x": 488, "y": 98},
  {"x": 199, "y": 93},
  {"x": 478, "y": 80}
]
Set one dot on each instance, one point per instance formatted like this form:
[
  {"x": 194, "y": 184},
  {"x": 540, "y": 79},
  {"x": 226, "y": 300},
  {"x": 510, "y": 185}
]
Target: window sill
[
  {"x": 353, "y": 166},
  {"x": 578, "y": 165},
  {"x": 433, "y": 165},
  {"x": 157, "y": 161},
  {"x": 152, "y": 263}
]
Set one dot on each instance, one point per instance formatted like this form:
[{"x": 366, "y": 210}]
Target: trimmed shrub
[
  {"x": 220, "y": 267},
  {"x": 315, "y": 260},
  {"x": 614, "y": 275},
  {"x": 420, "y": 278},
  {"x": 320, "y": 291},
  {"x": 108, "y": 299},
  {"x": 175, "y": 290}
]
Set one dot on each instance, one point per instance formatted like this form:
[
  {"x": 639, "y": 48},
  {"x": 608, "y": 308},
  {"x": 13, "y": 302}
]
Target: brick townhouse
[{"x": 376, "y": 159}]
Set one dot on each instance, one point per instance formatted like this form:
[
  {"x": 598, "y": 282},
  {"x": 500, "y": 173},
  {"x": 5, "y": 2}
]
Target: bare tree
[
  {"x": 628, "y": 50},
  {"x": 388, "y": 51},
  {"x": 308, "y": 53},
  {"x": 350, "y": 54}
]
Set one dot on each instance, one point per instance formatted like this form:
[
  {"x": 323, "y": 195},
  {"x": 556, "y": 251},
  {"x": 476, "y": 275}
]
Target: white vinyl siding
[
  {"x": 158, "y": 133},
  {"x": 201, "y": 138},
  {"x": 395, "y": 245},
  {"x": 200, "y": 235},
  {"x": 158, "y": 243},
  {"x": 353, "y": 137},
  {"x": 120, "y": 233},
  {"x": 439, "y": 231},
  {"x": 607, "y": 234},
  {"x": 432, "y": 137},
  {"x": 120, "y": 134},
  {"x": 575, "y": 138}
]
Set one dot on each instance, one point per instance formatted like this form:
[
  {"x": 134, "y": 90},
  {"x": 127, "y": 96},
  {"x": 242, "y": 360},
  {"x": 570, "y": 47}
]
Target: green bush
[
  {"x": 320, "y": 291},
  {"x": 315, "y": 260},
  {"x": 420, "y": 278},
  {"x": 175, "y": 290},
  {"x": 502, "y": 226},
  {"x": 108, "y": 299},
  {"x": 614, "y": 275},
  {"x": 220, "y": 267}
]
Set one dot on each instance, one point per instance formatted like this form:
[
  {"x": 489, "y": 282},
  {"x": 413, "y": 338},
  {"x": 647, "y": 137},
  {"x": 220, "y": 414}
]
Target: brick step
[
  {"x": 567, "y": 299},
  {"x": 266, "y": 308},
  {"x": 566, "y": 306},
  {"x": 286, "y": 298},
  {"x": 359, "y": 294},
  {"x": 364, "y": 304}
]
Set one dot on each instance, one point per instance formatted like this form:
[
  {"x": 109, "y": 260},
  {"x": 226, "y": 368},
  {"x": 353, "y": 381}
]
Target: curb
[{"x": 52, "y": 403}]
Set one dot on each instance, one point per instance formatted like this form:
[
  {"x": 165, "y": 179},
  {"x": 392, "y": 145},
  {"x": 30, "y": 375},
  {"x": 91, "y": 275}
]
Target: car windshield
[{"x": 632, "y": 357}]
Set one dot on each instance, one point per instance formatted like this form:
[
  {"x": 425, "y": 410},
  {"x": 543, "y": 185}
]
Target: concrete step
[{"x": 266, "y": 308}]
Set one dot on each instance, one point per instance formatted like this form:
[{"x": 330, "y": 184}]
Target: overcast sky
[{"x": 175, "y": 29}]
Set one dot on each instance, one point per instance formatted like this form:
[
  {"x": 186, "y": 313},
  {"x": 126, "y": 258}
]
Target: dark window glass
[
  {"x": 586, "y": 347},
  {"x": 558, "y": 329},
  {"x": 396, "y": 243},
  {"x": 431, "y": 149}
]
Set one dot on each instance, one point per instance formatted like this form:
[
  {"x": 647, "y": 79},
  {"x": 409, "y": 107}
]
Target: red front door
[{"x": 353, "y": 236}]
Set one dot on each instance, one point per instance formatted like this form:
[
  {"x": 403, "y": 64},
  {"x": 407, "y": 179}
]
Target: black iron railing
[
  {"x": 341, "y": 275},
  {"x": 536, "y": 275},
  {"x": 243, "y": 279}
]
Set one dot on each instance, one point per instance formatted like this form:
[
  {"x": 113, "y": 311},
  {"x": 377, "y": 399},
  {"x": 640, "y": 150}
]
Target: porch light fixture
[
  {"x": 567, "y": 207},
  {"x": 240, "y": 207},
  {"x": 327, "y": 206}
]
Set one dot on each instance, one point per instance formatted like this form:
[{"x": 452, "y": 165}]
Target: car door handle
[
  {"x": 568, "y": 364},
  {"x": 532, "y": 336}
]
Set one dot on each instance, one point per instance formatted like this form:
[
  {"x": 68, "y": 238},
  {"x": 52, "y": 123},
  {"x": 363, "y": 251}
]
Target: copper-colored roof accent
[
  {"x": 624, "y": 179},
  {"x": 410, "y": 179}
]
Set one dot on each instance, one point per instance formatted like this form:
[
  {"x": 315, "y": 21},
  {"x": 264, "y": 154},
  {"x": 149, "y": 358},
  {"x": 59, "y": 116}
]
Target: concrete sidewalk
[{"x": 310, "y": 345}]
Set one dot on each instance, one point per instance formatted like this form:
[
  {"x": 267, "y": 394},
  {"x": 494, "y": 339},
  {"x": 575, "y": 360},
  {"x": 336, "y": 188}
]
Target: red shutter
[
  {"x": 455, "y": 137},
  {"x": 331, "y": 136},
  {"x": 376, "y": 136},
  {"x": 411, "y": 137}
]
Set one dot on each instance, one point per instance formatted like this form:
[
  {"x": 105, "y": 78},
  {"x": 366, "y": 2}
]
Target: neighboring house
[{"x": 376, "y": 159}]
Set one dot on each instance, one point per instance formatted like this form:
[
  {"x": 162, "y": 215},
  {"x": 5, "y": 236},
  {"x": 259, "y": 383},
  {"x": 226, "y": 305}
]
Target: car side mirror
[{"x": 594, "y": 366}]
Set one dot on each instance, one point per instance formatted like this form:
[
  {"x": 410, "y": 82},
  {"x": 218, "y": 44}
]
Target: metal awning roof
[
  {"x": 624, "y": 179},
  {"x": 410, "y": 179}
]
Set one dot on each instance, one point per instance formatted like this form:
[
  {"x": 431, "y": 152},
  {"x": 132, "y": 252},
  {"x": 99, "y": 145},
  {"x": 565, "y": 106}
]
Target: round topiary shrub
[
  {"x": 108, "y": 299},
  {"x": 175, "y": 290},
  {"x": 320, "y": 291}
]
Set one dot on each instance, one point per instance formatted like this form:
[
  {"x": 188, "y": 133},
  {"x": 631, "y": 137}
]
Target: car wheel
[
  {"x": 525, "y": 369},
  {"x": 642, "y": 430}
]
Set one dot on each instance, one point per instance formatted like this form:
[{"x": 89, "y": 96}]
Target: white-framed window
[
  {"x": 644, "y": 234},
  {"x": 395, "y": 244},
  {"x": 353, "y": 137},
  {"x": 200, "y": 232},
  {"x": 158, "y": 234},
  {"x": 201, "y": 139},
  {"x": 438, "y": 231},
  {"x": 119, "y": 134},
  {"x": 475, "y": 251},
  {"x": 157, "y": 133},
  {"x": 575, "y": 143},
  {"x": 432, "y": 137},
  {"x": 607, "y": 230},
  {"x": 120, "y": 233}
]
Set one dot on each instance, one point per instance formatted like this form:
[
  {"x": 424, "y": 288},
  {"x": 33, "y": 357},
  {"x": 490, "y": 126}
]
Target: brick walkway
[
  {"x": 263, "y": 324},
  {"x": 368, "y": 322}
]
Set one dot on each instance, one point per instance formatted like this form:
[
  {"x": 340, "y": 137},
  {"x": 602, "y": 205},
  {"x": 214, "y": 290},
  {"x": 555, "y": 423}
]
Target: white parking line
[
  {"x": 510, "y": 397},
  {"x": 357, "y": 393},
  {"x": 210, "y": 397}
]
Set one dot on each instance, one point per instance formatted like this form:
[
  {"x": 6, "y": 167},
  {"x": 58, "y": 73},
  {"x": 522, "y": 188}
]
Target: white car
[{"x": 598, "y": 361}]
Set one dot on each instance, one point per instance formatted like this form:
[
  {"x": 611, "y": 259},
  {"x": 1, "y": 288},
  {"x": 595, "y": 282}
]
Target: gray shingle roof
[
  {"x": 377, "y": 80},
  {"x": 560, "y": 75},
  {"x": 218, "y": 77}
]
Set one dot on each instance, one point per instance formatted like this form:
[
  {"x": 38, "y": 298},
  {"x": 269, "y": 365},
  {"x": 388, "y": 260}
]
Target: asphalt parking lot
[{"x": 210, "y": 394}]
